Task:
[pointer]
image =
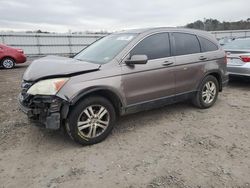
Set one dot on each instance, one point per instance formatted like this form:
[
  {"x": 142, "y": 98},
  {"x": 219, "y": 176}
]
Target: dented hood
[{"x": 55, "y": 66}]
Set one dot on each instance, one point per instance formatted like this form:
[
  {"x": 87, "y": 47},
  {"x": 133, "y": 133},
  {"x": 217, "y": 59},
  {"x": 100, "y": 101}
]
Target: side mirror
[{"x": 137, "y": 59}]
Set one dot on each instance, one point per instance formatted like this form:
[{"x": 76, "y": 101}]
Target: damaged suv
[{"x": 122, "y": 73}]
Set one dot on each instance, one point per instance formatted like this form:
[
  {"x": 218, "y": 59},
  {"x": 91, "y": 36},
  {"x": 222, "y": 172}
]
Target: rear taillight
[
  {"x": 20, "y": 51},
  {"x": 245, "y": 59}
]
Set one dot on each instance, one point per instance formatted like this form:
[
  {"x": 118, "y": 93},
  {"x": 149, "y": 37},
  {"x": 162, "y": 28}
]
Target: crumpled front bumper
[{"x": 47, "y": 111}]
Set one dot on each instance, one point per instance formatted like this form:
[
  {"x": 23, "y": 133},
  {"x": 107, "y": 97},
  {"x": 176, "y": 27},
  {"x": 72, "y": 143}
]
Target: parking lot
[{"x": 175, "y": 146}]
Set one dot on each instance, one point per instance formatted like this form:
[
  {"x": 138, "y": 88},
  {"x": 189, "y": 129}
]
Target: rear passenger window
[
  {"x": 207, "y": 45},
  {"x": 186, "y": 44},
  {"x": 155, "y": 46}
]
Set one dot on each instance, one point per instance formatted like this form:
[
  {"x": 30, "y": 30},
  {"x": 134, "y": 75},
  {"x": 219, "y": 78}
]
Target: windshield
[
  {"x": 240, "y": 44},
  {"x": 105, "y": 49}
]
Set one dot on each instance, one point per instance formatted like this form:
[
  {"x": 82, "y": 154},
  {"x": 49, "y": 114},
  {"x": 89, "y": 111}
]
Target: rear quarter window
[
  {"x": 207, "y": 45},
  {"x": 186, "y": 44}
]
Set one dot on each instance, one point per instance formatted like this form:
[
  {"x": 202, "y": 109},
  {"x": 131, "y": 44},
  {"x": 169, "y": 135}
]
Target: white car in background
[{"x": 238, "y": 57}]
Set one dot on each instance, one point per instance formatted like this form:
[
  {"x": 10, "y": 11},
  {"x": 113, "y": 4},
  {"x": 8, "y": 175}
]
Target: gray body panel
[
  {"x": 146, "y": 82},
  {"x": 56, "y": 66},
  {"x": 107, "y": 77}
]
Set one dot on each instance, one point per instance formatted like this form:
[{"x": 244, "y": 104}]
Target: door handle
[
  {"x": 167, "y": 63},
  {"x": 202, "y": 58}
]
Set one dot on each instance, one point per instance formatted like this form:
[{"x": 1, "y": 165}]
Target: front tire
[
  {"x": 91, "y": 120},
  {"x": 207, "y": 93},
  {"x": 8, "y": 63}
]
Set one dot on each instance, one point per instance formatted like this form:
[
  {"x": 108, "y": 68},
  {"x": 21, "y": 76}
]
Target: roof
[
  {"x": 152, "y": 29},
  {"x": 169, "y": 29}
]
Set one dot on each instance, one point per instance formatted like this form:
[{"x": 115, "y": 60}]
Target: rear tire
[
  {"x": 91, "y": 120},
  {"x": 8, "y": 63},
  {"x": 207, "y": 93}
]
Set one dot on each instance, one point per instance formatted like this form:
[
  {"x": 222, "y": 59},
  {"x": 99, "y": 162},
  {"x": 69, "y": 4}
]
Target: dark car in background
[
  {"x": 123, "y": 73},
  {"x": 238, "y": 57},
  {"x": 9, "y": 56}
]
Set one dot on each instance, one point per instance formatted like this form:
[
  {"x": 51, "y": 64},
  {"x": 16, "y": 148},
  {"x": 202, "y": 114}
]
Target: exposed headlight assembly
[{"x": 47, "y": 87}]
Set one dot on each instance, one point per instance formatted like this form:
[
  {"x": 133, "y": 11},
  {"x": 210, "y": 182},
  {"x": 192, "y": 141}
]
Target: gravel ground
[{"x": 175, "y": 146}]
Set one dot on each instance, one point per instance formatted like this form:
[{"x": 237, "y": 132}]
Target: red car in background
[{"x": 10, "y": 56}]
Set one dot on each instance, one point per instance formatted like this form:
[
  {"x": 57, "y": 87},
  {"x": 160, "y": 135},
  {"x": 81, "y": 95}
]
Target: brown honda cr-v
[{"x": 122, "y": 73}]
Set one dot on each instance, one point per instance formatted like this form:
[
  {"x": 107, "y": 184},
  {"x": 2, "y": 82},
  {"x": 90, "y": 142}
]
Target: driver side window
[{"x": 155, "y": 46}]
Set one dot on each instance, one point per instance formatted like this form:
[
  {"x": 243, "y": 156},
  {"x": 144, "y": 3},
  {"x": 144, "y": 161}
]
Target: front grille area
[{"x": 24, "y": 88}]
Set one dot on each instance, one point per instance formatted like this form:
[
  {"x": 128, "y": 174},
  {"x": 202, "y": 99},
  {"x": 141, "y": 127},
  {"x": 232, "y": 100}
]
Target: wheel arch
[
  {"x": 7, "y": 56},
  {"x": 216, "y": 74},
  {"x": 106, "y": 92}
]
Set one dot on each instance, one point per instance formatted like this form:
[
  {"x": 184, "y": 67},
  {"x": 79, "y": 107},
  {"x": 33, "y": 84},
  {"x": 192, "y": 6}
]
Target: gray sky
[{"x": 111, "y": 15}]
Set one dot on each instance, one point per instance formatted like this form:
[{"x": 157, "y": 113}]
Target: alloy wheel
[
  {"x": 209, "y": 92},
  {"x": 8, "y": 63},
  {"x": 93, "y": 121}
]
